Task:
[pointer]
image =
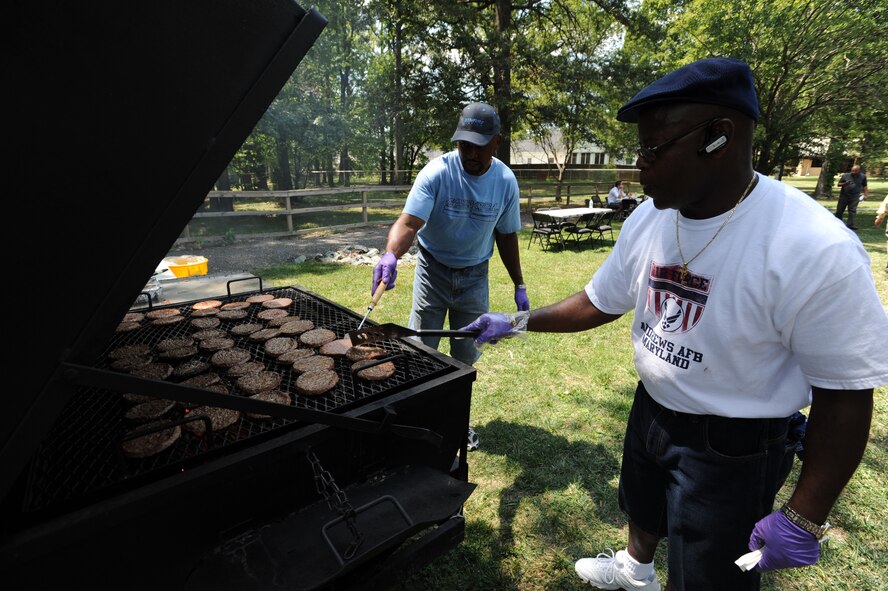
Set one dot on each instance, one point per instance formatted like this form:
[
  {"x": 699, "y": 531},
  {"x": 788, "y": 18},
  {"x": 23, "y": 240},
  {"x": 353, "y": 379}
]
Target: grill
[{"x": 346, "y": 490}]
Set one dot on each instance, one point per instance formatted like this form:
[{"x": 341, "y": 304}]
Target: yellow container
[{"x": 187, "y": 265}]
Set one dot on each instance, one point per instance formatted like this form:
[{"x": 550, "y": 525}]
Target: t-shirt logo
[{"x": 678, "y": 306}]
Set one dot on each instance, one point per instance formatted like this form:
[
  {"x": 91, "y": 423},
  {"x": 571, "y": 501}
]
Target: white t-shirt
[
  {"x": 781, "y": 300},
  {"x": 615, "y": 196}
]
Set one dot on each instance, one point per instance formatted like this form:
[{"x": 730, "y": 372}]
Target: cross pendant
[{"x": 684, "y": 273}]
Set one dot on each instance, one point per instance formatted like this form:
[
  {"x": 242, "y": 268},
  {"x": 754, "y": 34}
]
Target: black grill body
[{"x": 346, "y": 490}]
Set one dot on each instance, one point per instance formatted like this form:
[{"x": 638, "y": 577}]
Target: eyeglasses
[{"x": 650, "y": 154}]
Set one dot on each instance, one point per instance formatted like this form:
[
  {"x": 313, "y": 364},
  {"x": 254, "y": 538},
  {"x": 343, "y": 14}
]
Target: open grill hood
[{"x": 130, "y": 112}]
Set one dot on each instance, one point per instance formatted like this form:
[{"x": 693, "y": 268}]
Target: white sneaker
[{"x": 607, "y": 571}]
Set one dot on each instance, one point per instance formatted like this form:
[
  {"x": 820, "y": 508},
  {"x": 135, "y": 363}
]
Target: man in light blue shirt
[{"x": 460, "y": 205}]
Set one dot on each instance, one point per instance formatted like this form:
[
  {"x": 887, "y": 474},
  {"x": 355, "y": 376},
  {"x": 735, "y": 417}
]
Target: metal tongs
[{"x": 382, "y": 332}]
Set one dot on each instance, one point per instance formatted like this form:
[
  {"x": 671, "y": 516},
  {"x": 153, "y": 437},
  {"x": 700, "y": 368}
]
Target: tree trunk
[
  {"x": 502, "y": 76},
  {"x": 282, "y": 177},
  {"x": 399, "y": 136},
  {"x": 223, "y": 183}
]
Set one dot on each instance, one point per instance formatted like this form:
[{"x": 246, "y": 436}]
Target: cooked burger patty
[
  {"x": 317, "y": 337},
  {"x": 220, "y": 418},
  {"x": 279, "y": 345},
  {"x": 314, "y": 383},
  {"x": 271, "y": 314},
  {"x": 312, "y": 363},
  {"x": 130, "y": 363},
  {"x": 294, "y": 354},
  {"x": 295, "y": 327},
  {"x": 153, "y": 371},
  {"x": 275, "y": 322},
  {"x": 139, "y": 350},
  {"x": 189, "y": 368},
  {"x": 203, "y": 380},
  {"x": 235, "y": 305},
  {"x": 383, "y": 371},
  {"x": 210, "y": 333},
  {"x": 246, "y": 368},
  {"x": 167, "y": 320},
  {"x": 337, "y": 348},
  {"x": 179, "y": 353},
  {"x": 259, "y": 382},
  {"x": 162, "y": 313},
  {"x": 260, "y": 336},
  {"x": 277, "y": 303},
  {"x": 211, "y": 322},
  {"x": 362, "y": 352},
  {"x": 210, "y": 345},
  {"x": 128, "y": 326},
  {"x": 275, "y": 396},
  {"x": 232, "y": 314},
  {"x": 174, "y": 343},
  {"x": 204, "y": 312},
  {"x": 150, "y": 444},
  {"x": 150, "y": 411},
  {"x": 242, "y": 330},
  {"x": 258, "y": 299},
  {"x": 229, "y": 357}
]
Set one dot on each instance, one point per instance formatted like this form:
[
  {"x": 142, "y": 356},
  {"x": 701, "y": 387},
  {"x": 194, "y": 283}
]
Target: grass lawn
[{"x": 550, "y": 410}]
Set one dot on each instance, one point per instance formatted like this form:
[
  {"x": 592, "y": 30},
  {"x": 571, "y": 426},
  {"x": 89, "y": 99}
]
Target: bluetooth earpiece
[{"x": 716, "y": 144}]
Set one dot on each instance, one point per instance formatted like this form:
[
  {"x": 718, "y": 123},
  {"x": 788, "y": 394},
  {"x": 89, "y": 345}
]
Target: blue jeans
[
  {"x": 702, "y": 481},
  {"x": 439, "y": 290}
]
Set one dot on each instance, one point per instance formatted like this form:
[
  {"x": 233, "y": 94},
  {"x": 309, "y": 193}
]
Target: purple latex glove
[
  {"x": 495, "y": 326},
  {"x": 786, "y": 545},
  {"x": 521, "y": 299},
  {"x": 385, "y": 271}
]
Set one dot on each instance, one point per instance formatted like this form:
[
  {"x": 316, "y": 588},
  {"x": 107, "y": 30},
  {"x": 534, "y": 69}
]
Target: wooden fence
[{"x": 296, "y": 203}]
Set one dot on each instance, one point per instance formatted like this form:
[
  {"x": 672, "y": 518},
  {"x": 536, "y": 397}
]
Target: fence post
[
  {"x": 289, "y": 213},
  {"x": 364, "y": 206},
  {"x": 529, "y": 199},
  {"x": 568, "y": 195}
]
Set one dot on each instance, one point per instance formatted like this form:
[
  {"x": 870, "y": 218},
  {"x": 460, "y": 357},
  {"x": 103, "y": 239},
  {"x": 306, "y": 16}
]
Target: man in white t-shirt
[{"x": 739, "y": 286}]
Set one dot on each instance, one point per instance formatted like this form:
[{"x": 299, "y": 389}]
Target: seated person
[{"x": 616, "y": 195}]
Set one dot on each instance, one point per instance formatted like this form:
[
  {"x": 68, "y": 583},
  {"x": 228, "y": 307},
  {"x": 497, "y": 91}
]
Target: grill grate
[{"x": 81, "y": 456}]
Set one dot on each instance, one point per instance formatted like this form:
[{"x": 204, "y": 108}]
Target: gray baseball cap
[{"x": 478, "y": 124}]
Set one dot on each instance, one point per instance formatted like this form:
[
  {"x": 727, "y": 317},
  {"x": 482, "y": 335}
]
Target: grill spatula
[{"x": 382, "y": 332}]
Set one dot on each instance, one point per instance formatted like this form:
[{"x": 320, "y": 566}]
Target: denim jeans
[
  {"x": 702, "y": 481},
  {"x": 439, "y": 291},
  {"x": 849, "y": 201}
]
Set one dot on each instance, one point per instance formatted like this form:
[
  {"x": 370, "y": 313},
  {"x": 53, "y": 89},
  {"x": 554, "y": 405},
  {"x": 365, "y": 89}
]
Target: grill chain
[{"x": 336, "y": 500}]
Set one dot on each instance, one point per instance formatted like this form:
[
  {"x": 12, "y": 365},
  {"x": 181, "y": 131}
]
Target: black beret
[{"x": 713, "y": 81}]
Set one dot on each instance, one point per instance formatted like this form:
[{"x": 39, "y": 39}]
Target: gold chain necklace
[{"x": 684, "y": 263}]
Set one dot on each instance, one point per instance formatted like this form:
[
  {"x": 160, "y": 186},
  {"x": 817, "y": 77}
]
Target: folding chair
[
  {"x": 584, "y": 228},
  {"x": 546, "y": 230},
  {"x": 603, "y": 224}
]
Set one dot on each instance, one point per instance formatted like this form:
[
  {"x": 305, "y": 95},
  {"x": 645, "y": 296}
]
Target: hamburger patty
[
  {"x": 337, "y": 348},
  {"x": 317, "y": 337},
  {"x": 271, "y": 314},
  {"x": 295, "y": 327},
  {"x": 242, "y": 330},
  {"x": 202, "y": 323},
  {"x": 258, "y": 299},
  {"x": 174, "y": 343},
  {"x": 235, "y": 306},
  {"x": 275, "y": 322},
  {"x": 153, "y": 371},
  {"x": 375, "y": 373},
  {"x": 362, "y": 352},
  {"x": 259, "y": 382},
  {"x": 246, "y": 368},
  {"x": 220, "y": 418},
  {"x": 279, "y": 345},
  {"x": 293, "y": 355},
  {"x": 228, "y": 357},
  {"x": 232, "y": 314},
  {"x": 150, "y": 444},
  {"x": 150, "y": 411},
  {"x": 162, "y": 313},
  {"x": 207, "y": 304},
  {"x": 139, "y": 350},
  {"x": 275, "y": 396},
  {"x": 210, "y": 345},
  {"x": 277, "y": 303},
  {"x": 312, "y": 363},
  {"x": 315, "y": 383}
]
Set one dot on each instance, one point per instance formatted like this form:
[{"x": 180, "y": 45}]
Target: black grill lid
[{"x": 126, "y": 114}]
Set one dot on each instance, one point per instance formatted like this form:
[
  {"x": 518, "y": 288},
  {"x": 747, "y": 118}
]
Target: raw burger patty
[
  {"x": 383, "y": 371},
  {"x": 317, "y": 337},
  {"x": 314, "y": 383},
  {"x": 207, "y": 304},
  {"x": 258, "y": 299},
  {"x": 153, "y": 443},
  {"x": 275, "y": 396}
]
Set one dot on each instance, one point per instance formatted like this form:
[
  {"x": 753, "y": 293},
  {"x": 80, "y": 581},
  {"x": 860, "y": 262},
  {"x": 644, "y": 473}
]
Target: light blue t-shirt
[{"x": 461, "y": 211}]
